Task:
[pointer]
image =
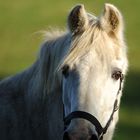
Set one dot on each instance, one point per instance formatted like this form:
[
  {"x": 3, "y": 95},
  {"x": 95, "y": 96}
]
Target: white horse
[{"x": 73, "y": 90}]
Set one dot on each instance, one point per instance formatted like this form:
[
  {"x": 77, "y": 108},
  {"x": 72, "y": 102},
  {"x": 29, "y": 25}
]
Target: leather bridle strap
[
  {"x": 86, "y": 116},
  {"x": 115, "y": 108}
]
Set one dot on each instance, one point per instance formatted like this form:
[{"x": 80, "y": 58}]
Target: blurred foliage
[{"x": 21, "y": 21}]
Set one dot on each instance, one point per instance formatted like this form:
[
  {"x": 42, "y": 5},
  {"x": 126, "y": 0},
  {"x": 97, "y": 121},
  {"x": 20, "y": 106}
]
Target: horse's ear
[
  {"x": 111, "y": 20},
  {"x": 77, "y": 19}
]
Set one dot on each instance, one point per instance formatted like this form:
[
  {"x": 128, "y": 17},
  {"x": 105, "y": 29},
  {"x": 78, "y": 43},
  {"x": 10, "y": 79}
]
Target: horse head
[{"x": 92, "y": 73}]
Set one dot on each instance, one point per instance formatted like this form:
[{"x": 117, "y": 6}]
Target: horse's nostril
[
  {"x": 66, "y": 136},
  {"x": 94, "y": 137}
]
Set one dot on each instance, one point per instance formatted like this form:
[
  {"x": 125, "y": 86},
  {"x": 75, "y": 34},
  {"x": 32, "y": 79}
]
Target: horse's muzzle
[
  {"x": 68, "y": 136},
  {"x": 82, "y": 134}
]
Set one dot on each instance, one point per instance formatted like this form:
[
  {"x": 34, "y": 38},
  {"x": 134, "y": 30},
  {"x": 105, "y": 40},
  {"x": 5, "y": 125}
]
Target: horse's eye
[
  {"x": 65, "y": 71},
  {"x": 117, "y": 75}
]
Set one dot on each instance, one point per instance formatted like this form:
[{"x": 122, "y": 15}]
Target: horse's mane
[
  {"x": 37, "y": 79},
  {"x": 51, "y": 53}
]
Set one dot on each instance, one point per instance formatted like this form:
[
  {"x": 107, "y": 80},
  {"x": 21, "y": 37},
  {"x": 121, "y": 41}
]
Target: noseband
[{"x": 84, "y": 115}]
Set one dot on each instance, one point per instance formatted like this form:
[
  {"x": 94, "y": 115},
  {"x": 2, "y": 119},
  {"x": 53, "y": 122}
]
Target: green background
[{"x": 21, "y": 22}]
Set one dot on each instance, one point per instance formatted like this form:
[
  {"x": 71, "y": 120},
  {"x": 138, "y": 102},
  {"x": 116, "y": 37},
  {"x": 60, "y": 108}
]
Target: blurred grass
[{"x": 20, "y": 20}]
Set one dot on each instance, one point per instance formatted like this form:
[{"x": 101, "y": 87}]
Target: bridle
[{"x": 87, "y": 116}]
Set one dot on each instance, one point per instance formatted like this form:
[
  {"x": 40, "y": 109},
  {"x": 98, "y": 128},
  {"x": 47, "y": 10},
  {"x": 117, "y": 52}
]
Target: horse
[{"x": 73, "y": 90}]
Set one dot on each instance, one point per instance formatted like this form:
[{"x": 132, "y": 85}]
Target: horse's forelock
[{"x": 93, "y": 38}]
